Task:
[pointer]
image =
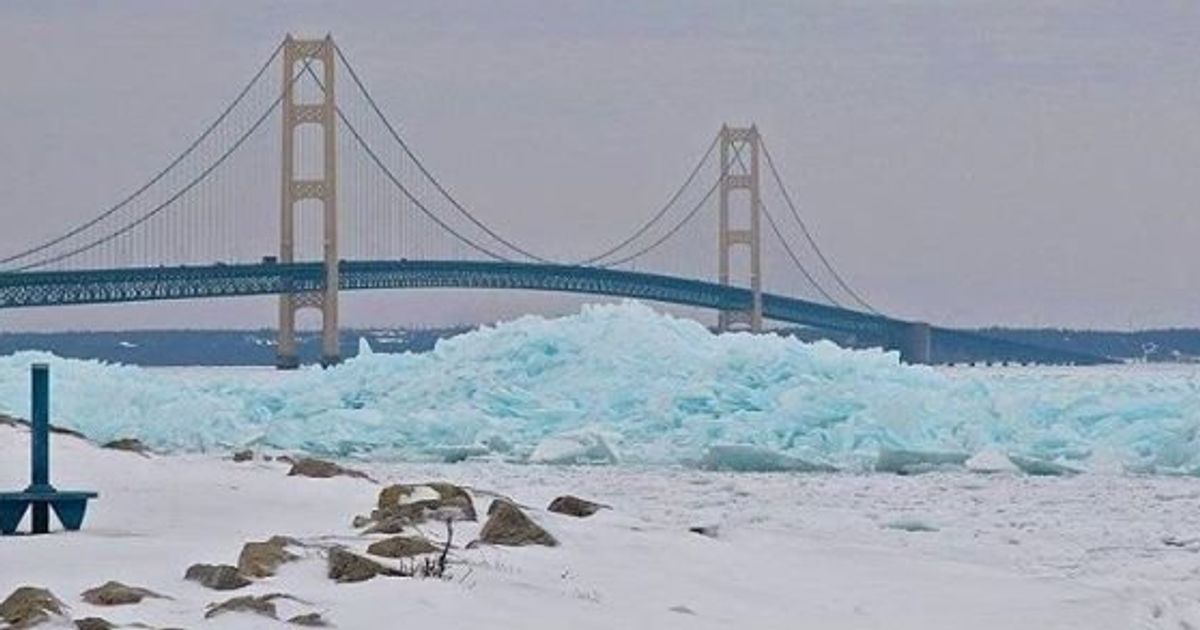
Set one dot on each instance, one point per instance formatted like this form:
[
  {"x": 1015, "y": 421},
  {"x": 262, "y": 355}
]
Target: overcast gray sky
[{"x": 965, "y": 162}]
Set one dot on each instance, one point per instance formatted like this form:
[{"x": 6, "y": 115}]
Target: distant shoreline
[{"x": 256, "y": 347}]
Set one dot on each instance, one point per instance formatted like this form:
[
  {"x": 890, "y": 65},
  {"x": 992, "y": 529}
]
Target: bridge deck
[{"x": 100, "y": 286}]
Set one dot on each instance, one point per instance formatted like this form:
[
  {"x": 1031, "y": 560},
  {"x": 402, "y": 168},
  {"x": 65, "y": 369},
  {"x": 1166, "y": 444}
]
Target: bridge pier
[{"x": 916, "y": 343}]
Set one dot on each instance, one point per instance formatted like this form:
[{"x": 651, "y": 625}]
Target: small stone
[
  {"x": 574, "y": 506},
  {"x": 29, "y": 606},
  {"x": 261, "y": 559},
  {"x": 345, "y": 567},
  {"x": 132, "y": 445},
  {"x": 219, "y": 577},
  {"x": 311, "y": 620},
  {"x": 401, "y": 547},
  {"x": 243, "y": 455},
  {"x": 93, "y": 623},
  {"x": 710, "y": 531},
  {"x": 321, "y": 469},
  {"x": 508, "y": 525},
  {"x": 113, "y": 593},
  {"x": 360, "y": 521},
  {"x": 246, "y": 603}
]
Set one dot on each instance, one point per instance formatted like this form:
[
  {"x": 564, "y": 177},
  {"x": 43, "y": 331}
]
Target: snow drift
[{"x": 625, "y": 382}]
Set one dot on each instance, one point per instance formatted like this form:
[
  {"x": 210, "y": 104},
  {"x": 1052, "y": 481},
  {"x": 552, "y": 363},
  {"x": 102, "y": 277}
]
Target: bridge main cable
[
  {"x": 787, "y": 197},
  {"x": 153, "y": 180},
  {"x": 174, "y": 197}
]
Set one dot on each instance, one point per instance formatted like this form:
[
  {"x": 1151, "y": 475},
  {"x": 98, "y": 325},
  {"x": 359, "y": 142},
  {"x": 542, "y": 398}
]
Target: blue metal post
[{"x": 40, "y": 445}]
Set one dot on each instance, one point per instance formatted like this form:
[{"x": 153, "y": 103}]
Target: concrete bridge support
[
  {"x": 294, "y": 190},
  {"x": 916, "y": 343}
]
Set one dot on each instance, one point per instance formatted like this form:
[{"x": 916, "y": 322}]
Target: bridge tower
[
  {"x": 740, "y": 172},
  {"x": 294, "y": 190}
]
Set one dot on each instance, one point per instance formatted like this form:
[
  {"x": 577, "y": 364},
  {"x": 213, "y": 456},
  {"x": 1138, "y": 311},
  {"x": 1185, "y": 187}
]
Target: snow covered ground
[{"x": 791, "y": 550}]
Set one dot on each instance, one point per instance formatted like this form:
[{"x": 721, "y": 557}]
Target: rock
[
  {"x": 261, "y": 559},
  {"x": 574, "y": 506},
  {"x": 911, "y": 525},
  {"x": 94, "y": 623},
  {"x": 709, "y": 531},
  {"x": 401, "y": 547},
  {"x": 246, "y": 603},
  {"x": 29, "y": 606},
  {"x": 508, "y": 525},
  {"x": 243, "y": 455},
  {"x": 219, "y": 577},
  {"x": 311, "y": 620},
  {"x": 132, "y": 445},
  {"x": 321, "y": 469},
  {"x": 113, "y": 593},
  {"x": 402, "y": 505},
  {"x": 360, "y": 521},
  {"x": 344, "y": 567}
]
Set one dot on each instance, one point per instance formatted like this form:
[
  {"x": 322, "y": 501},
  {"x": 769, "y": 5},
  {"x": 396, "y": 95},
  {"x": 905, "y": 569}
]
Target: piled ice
[{"x": 625, "y": 383}]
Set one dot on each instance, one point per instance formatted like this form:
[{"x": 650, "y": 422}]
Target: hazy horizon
[{"x": 967, "y": 163}]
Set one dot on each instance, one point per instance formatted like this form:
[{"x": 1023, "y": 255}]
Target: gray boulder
[
  {"x": 574, "y": 506},
  {"x": 29, "y": 606},
  {"x": 114, "y": 593},
  {"x": 346, "y": 567},
  {"x": 219, "y": 577},
  {"x": 401, "y": 547},
  {"x": 261, "y": 559},
  {"x": 507, "y": 525},
  {"x": 322, "y": 469}
]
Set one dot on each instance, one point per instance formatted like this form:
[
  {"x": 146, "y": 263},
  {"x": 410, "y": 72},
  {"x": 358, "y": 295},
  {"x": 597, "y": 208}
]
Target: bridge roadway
[{"x": 139, "y": 284}]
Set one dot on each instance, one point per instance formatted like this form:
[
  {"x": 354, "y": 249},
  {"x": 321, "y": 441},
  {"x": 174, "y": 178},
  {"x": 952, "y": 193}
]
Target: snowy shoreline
[{"x": 939, "y": 550}]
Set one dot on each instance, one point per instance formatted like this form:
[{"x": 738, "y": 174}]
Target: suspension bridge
[{"x": 358, "y": 209}]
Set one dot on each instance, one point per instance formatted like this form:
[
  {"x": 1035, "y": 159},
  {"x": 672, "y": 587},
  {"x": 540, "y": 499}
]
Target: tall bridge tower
[
  {"x": 294, "y": 190},
  {"x": 740, "y": 172}
]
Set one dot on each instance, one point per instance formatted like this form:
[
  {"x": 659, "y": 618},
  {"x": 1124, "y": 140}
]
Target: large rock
[
  {"x": 261, "y": 605},
  {"x": 219, "y": 577},
  {"x": 508, "y": 525},
  {"x": 113, "y": 593},
  {"x": 310, "y": 620},
  {"x": 132, "y": 445},
  {"x": 321, "y": 469},
  {"x": 401, "y": 547},
  {"x": 402, "y": 505},
  {"x": 574, "y": 506},
  {"x": 261, "y": 559},
  {"x": 94, "y": 623},
  {"x": 29, "y": 606},
  {"x": 344, "y": 567}
]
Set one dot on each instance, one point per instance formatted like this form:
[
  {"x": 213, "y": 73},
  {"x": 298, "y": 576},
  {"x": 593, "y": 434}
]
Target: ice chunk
[
  {"x": 746, "y": 458},
  {"x": 1041, "y": 467},
  {"x": 581, "y": 447},
  {"x": 663, "y": 389},
  {"x": 916, "y": 462},
  {"x": 991, "y": 460},
  {"x": 364, "y": 347}
]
